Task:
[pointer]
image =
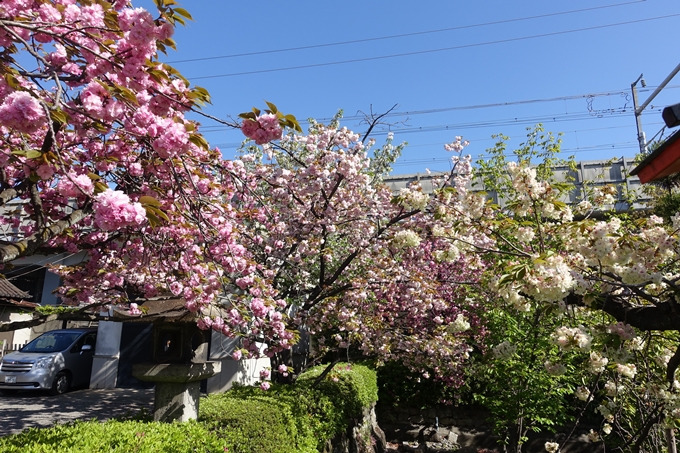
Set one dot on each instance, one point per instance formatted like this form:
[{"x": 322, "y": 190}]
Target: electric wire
[
  {"x": 428, "y": 51},
  {"x": 622, "y": 92},
  {"x": 402, "y": 35}
]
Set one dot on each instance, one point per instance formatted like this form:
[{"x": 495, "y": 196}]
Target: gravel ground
[{"x": 37, "y": 409}]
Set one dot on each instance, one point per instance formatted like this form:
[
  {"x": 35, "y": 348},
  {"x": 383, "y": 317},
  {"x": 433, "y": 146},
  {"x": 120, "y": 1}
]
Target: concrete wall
[
  {"x": 106, "y": 356},
  {"x": 244, "y": 372}
]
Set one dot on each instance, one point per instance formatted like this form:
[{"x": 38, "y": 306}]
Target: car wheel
[{"x": 60, "y": 384}]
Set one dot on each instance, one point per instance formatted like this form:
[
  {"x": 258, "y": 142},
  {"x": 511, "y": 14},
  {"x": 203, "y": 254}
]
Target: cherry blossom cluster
[{"x": 264, "y": 129}]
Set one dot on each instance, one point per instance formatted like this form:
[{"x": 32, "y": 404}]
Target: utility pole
[
  {"x": 638, "y": 110},
  {"x": 642, "y": 140}
]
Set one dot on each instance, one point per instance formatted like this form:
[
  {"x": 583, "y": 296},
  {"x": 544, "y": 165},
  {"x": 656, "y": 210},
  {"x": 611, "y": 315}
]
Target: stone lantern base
[{"x": 177, "y": 387}]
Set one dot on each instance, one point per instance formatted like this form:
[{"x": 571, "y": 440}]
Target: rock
[{"x": 432, "y": 435}]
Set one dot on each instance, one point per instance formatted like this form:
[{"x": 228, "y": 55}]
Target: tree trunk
[{"x": 670, "y": 440}]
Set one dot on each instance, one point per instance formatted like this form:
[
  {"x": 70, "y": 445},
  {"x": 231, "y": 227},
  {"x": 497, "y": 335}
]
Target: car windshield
[{"x": 51, "y": 342}]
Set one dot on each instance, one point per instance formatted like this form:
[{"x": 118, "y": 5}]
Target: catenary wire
[
  {"x": 220, "y": 128},
  {"x": 427, "y": 51},
  {"x": 402, "y": 35}
]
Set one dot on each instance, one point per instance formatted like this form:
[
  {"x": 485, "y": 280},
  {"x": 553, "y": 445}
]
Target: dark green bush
[
  {"x": 400, "y": 387},
  {"x": 115, "y": 436}
]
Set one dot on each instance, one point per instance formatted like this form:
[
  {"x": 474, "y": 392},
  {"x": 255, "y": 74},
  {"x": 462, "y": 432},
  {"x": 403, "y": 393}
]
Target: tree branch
[{"x": 28, "y": 246}]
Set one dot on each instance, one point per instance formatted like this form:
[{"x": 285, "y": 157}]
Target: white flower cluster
[
  {"x": 604, "y": 195},
  {"x": 504, "y": 351},
  {"x": 613, "y": 389},
  {"x": 518, "y": 301},
  {"x": 524, "y": 234},
  {"x": 663, "y": 358},
  {"x": 606, "y": 410},
  {"x": 568, "y": 338},
  {"x": 555, "y": 369},
  {"x": 457, "y": 145},
  {"x": 597, "y": 362},
  {"x": 636, "y": 344},
  {"x": 627, "y": 370},
  {"x": 550, "y": 280},
  {"x": 583, "y": 208},
  {"x": 406, "y": 238},
  {"x": 412, "y": 199},
  {"x": 635, "y": 274},
  {"x": 582, "y": 393},
  {"x": 524, "y": 181},
  {"x": 599, "y": 245},
  {"x": 623, "y": 330},
  {"x": 450, "y": 255},
  {"x": 460, "y": 324},
  {"x": 676, "y": 221},
  {"x": 552, "y": 447}
]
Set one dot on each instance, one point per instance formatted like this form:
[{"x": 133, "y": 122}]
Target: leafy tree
[{"x": 588, "y": 299}]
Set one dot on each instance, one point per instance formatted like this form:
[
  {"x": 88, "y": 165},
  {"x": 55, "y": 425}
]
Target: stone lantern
[{"x": 180, "y": 358}]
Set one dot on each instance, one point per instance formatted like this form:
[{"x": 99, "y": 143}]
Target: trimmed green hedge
[
  {"x": 297, "y": 418},
  {"x": 115, "y": 436},
  {"x": 285, "y": 419}
]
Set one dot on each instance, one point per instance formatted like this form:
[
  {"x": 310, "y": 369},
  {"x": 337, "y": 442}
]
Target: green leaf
[
  {"x": 199, "y": 141},
  {"x": 32, "y": 154},
  {"x": 505, "y": 279},
  {"x": 100, "y": 187},
  {"x": 149, "y": 201},
  {"x": 111, "y": 20},
  {"x": 170, "y": 43},
  {"x": 12, "y": 81},
  {"x": 184, "y": 12},
  {"x": 126, "y": 94},
  {"x": 272, "y": 107},
  {"x": 154, "y": 221}
]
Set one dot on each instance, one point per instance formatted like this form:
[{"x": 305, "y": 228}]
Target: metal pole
[
  {"x": 658, "y": 89},
  {"x": 638, "y": 121},
  {"x": 638, "y": 110}
]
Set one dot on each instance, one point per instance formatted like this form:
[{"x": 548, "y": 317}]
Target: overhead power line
[
  {"x": 403, "y": 35},
  {"x": 622, "y": 92},
  {"x": 443, "y": 49}
]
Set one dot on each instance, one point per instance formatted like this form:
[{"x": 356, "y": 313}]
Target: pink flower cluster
[
  {"x": 21, "y": 112},
  {"x": 623, "y": 330},
  {"x": 263, "y": 130},
  {"x": 113, "y": 210},
  {"x": 74, "y": 186}
]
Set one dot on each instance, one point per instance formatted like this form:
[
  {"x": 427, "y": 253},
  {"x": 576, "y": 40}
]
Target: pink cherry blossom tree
[
  {"x": 98, "y": 156},
  {"x": 345, "y": 256}
]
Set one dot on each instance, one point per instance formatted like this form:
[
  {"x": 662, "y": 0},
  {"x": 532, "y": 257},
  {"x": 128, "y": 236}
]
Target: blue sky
[{"x": 499, "y": 56}]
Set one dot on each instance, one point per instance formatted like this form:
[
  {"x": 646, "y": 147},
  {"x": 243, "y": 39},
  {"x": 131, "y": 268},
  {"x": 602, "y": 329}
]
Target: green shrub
[
  {"x": 115, "y": 436},
  {"x": 339, "y": 398},
  {"x": 297, "y": 418},
  {"x": 250, "y": 420}
]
